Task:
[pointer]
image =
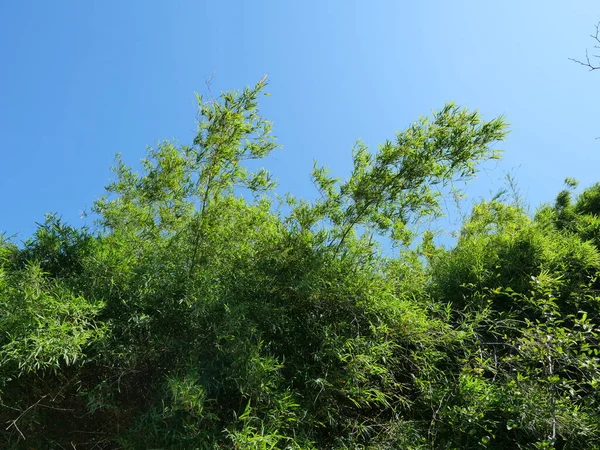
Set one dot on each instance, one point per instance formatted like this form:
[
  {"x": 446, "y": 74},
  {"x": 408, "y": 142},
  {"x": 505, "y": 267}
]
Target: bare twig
[
  {"x": 588, "y": 63},
  {"x": 13, "y": 423}
]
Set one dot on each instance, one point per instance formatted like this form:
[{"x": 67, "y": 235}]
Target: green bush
[{"x": 204, "y": 311}]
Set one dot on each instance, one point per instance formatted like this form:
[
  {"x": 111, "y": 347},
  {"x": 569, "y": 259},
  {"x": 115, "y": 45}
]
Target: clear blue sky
[{"x": 82, "y": 80}]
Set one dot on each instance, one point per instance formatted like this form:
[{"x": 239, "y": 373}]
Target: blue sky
[{"x": 82, "y": 80}]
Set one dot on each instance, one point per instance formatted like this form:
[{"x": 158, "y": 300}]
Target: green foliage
[
  {"x": 402, "y": 182},
  {"x": 197, "y": 316}
]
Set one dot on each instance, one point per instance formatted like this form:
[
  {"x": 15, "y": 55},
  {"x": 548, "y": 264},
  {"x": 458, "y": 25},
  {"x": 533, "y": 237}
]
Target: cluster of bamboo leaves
[{"x": 204, "y": 311}]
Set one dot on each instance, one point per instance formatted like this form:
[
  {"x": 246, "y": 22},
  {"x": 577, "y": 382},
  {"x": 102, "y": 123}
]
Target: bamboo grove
[{"x": 204, "y": 310}]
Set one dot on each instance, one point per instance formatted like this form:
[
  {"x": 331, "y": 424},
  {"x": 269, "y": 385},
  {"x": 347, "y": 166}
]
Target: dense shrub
[{"x": 203, "y": 311}]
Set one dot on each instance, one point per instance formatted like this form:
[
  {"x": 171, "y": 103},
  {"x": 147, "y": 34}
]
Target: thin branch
[
  {"x": 587, "y": 63},
  {"x": 13, "y": 423}
]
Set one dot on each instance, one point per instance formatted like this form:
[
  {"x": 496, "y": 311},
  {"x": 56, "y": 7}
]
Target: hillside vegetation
[{"x": 203, "y": 311}]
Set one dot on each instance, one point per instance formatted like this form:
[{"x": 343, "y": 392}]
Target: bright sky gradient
[{"x": 82, "y": 80}]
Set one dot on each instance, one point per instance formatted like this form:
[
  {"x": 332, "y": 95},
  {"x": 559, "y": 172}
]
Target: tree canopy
[{"x": 205, "y": 311}]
